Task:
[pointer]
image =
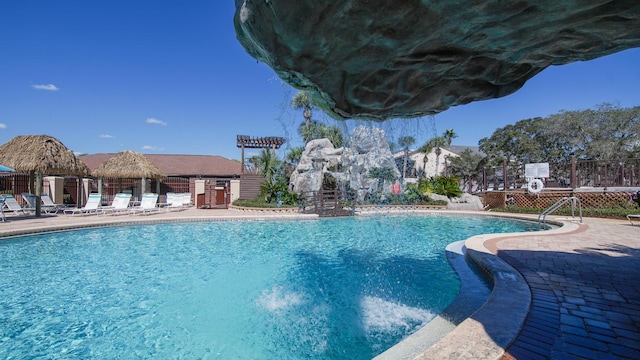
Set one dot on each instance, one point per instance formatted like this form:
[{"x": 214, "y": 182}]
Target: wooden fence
[{"x": 588, "y": 199}]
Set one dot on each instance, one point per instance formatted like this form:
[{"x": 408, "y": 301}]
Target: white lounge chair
[
  {"x": 630, "y": 216},
  {"x": 32, "y": 200},
  {"x": 12, "y": 204},
  {"x": 148, "y": 205},
  {"x": 186, "y": 200},
  {"x": 174, "y": 202},
  {"x": 46, "y": 201},
  {"x": 91, "y": 207},
  {"x": 120, "y": 205}
]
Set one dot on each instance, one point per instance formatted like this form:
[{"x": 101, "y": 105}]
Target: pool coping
[
  {"x": 483, "y": 335},
  {"x": 480, "y": 336}
]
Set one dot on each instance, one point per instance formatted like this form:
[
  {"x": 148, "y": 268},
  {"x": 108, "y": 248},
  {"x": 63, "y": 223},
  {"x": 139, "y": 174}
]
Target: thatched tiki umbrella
[
  {"x": 129, "y": 165},
  {"x": 40, "y": 154}
]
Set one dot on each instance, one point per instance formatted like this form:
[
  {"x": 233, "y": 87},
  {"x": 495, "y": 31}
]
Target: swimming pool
[{"x": 330, "y": 288}]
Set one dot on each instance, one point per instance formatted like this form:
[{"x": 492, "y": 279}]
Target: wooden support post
[
  {"x": 572, "y": 176},
  {"x": 504, "y": 175},
  {"x": 242, "y": 170}
]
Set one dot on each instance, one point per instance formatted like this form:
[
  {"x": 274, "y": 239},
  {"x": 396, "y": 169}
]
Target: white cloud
[
  {"x": 49, "y": 87},
  {"x": 3, "y": 126},
  {"x": 152, "y": 148},
  {"x": 105, "y": 136},
  {"x": 156, "y": 121}
]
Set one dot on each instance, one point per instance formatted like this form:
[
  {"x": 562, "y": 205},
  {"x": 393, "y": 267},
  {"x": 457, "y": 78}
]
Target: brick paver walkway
[{"x": 585, "y": 289}]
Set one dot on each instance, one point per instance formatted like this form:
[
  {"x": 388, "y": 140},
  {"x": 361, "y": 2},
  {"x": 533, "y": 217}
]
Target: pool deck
[{"x": 575, "y": 294}]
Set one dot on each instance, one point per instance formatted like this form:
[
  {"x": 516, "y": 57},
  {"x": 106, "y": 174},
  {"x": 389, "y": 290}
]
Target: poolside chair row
[
  {"x": 12, "y": 205},
  {"x": 9, "y": 203},
  {"x": 47, "y": 205},
  {"x": 177, "y": 201},
  {"x": 120, "y": 205}
]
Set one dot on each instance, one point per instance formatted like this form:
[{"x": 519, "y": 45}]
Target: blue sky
[{"x": 168, "y": 77}]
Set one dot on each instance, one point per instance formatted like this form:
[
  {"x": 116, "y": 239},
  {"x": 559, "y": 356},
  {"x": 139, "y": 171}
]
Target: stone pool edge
[{"x": 484, "y": 335}]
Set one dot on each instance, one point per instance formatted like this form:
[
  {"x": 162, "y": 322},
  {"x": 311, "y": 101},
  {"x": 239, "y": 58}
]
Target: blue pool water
[{"x": 312, "y": 289}]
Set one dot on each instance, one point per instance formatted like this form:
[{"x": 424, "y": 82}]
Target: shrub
[
  {"x": 448, "y": 186},
  {"x": 277, "y": 191}
]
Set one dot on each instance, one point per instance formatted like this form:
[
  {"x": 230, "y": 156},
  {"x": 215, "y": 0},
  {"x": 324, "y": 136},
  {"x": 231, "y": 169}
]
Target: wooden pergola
[{"x": 267, "y": 142}]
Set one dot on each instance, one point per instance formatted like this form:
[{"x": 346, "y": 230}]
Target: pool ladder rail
[{"x": 542, "y": 218}]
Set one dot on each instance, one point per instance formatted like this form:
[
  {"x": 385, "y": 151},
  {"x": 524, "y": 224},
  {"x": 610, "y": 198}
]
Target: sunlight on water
[
  {"x": 278, "y": 299},
  {"x": 380, "y": 316}
]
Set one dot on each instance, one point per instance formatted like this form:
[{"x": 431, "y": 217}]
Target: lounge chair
[
  {"x": 12, "y": 204},
  {"x": 32, "y": 200},
  {"x": 46, "y": 201},
  {"x": 91, "y": 207},
  {"x": 174, "y": 202},
  {"x": 148, "y": 205},
  {"x": 120, "y": 205},
  {"x": 630, "y": 216},
  {"x": 186, "y": 200}
]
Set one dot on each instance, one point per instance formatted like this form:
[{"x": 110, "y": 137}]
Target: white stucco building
[{"x": 435, "y": 165}]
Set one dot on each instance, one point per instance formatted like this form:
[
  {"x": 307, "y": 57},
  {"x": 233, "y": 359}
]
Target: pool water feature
[{"x": 324, "y": 289}]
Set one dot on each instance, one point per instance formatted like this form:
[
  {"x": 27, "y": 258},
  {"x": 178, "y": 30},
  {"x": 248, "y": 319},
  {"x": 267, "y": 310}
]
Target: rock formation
[
  {"x": 348, "y": 165},
  {"x": 382, "y": 59}
]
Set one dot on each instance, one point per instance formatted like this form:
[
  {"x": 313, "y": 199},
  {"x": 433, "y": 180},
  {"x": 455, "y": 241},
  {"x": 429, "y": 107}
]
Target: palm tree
[
  {"x": 405, "y": 142},
  {"x": 267, "y": 163},
  {"x": 294, "y": 154},
  {"x": 334, "y": 134},
  {"x": 315, "y": 130},
  {"x": 302, "y": 100},
  {"x": 310, "y": 131},
  {"x": 448, "y": 136},
  {"x": 437, "y": 143}
]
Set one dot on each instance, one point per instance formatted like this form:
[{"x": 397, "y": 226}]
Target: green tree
[
  {"x": 334, "y": 134},
  {"x": 294, "y": 154},
  {"x": 302, "y": 101},
  {"x": 614, "y": 131},
  {"x": 436, "y": 144},
  {"x": 267, "y": 164},
  {"x": 405, "y": 142},
  {"x": 448, "y": 186},
  {"x": 382, "y": 174},
  {"x": 514, "y": 142},
  {"x": 606, "y": 132},
  {"x": 315, "y": 130},
  {"x": 448, "y": 136},
  {"x": 466, "y": 166},
  {"x": 309, "y": 131}
]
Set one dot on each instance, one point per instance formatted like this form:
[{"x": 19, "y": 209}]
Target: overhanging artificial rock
[{"x": 382, "y": 59}]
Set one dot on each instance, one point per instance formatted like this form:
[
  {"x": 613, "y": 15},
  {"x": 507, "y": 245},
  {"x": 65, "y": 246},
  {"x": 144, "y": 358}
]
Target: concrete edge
[
  {"x": 484, "y": 335},
  {"x": 474, "y": 291},
  {"x": 98, "y": 221}
]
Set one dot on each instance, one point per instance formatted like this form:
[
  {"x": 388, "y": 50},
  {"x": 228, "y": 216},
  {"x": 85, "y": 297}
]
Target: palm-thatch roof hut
[
  {"x": 128, "y": 165},
  {"x": 40, "y": 154}
]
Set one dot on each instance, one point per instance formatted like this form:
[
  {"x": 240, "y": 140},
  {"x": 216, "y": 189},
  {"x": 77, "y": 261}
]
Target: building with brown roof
[
  {"x": 180, "y": 165},
  {"x": 214, "y": 174}
]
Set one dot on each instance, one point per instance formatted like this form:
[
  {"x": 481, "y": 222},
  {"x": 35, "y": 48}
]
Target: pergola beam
[{"x": 267, "y": 142}]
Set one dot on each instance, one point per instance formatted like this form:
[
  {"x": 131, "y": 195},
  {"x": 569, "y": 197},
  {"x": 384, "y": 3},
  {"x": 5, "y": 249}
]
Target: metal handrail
[{"x": 543, "y": 222}]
